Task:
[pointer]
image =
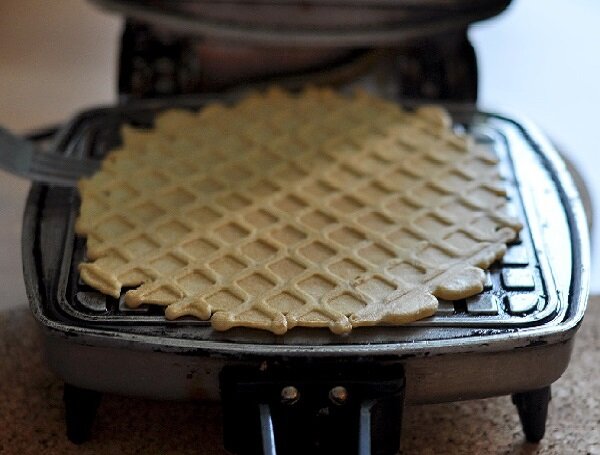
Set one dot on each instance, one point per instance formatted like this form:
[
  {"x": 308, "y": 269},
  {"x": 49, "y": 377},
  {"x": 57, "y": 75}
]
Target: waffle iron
[{"x": 514, "y": 338}]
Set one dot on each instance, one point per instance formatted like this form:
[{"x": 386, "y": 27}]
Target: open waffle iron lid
[{"x": 316, "y": 23}]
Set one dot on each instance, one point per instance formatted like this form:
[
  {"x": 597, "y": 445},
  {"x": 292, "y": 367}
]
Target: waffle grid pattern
[{"x": 311, "y": 210}]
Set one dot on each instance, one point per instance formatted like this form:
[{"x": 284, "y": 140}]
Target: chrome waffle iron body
[{"x": 514, "y": 338}]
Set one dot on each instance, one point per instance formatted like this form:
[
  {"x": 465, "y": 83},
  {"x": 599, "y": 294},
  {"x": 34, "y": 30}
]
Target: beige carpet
[{"x": 31, "y": 413}]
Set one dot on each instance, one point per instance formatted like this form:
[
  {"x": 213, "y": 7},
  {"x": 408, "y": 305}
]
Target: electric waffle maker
[{"x": 310, "y": 389}]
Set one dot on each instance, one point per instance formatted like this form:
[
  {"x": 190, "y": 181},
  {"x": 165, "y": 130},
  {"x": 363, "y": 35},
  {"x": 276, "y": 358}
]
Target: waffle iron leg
[
  {"x": 533, "y": 410},
  {"x": 80, "y": 411}
]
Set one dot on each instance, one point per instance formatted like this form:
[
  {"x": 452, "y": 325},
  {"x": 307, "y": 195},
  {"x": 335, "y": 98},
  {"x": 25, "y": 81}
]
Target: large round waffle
[{"x": 315, "y": 210}]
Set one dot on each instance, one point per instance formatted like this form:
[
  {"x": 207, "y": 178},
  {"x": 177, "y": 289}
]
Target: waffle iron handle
[
  {"x": 317, "y": 409},
  {"x": 364, "y": 429}
]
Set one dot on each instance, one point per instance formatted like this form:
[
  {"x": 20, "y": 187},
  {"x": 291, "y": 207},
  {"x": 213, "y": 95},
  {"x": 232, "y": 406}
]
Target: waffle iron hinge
[{"x": 317, "y": 408}]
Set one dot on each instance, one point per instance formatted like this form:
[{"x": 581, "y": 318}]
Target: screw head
[
  {"x": 338, "y": 395},
  {"x": 289, "y": 395}
]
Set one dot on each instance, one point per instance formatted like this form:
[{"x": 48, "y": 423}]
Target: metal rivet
[
  {"x": 338, "y": 395},
  {"x": 289, "y": 395}
]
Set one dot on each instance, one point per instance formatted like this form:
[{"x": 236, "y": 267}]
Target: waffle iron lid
[{"x": 343, "y": 23}]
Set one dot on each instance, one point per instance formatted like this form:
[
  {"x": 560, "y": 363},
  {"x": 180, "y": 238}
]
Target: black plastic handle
[{"x": 313, "y": 408}]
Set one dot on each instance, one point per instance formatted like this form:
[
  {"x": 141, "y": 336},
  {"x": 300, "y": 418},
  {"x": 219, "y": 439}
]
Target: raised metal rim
[{"x": 551, "y": 309}]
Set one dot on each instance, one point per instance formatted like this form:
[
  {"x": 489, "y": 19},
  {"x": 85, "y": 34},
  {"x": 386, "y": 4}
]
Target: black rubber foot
[
  {"x": 80, "y": 411},
  {"x": 533, "y": 410}
]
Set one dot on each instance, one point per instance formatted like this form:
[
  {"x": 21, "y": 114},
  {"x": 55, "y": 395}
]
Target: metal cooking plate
[{"x": 518, "y": 293}]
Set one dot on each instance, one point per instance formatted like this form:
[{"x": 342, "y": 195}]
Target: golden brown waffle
[{"x": 315, "y": 210}]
